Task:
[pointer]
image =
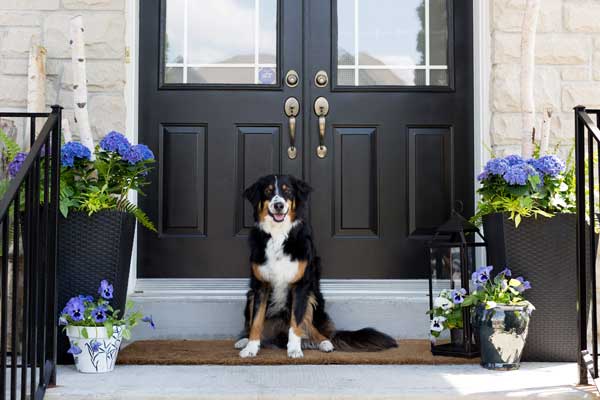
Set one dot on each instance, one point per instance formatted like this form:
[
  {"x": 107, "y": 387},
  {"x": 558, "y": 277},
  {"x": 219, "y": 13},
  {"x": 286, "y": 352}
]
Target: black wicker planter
[
  {"x": 92, "y": 248},
  {"x": 543, "y": 250}
]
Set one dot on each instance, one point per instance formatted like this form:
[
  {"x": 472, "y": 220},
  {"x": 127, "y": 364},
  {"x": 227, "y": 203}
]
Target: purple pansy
[
  {"x": 506, "y": 272},
  {"x": 87, "y": 298},
  {"x": 74, "y": 349},
  {"x": 524, "y": 284},
  {"x": 148, "y": 319},
  {"x": 481, "y": 276},
  {"x": 105, "y": 290},
  {"x": 458, "y": 296},
  {"x": 73, "y": 151},
  {"x": 74, "y": 309},
  {"x": 16, "y": 163},
  {"x": 99, "y": 314}
]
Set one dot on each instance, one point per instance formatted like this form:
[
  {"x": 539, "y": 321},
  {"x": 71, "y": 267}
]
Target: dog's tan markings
[
  {"x": 306, "y": 327},
  {"x": 258, "y": 323},
  {"x": 292, "y": 210},
  {"x": 300, "y": 273},
  {"x": 256, "y": 272},
  {"x": 263, "y": 210}
]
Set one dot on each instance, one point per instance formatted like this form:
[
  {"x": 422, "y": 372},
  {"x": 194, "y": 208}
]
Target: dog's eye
[{"x": 268, "y": 191}]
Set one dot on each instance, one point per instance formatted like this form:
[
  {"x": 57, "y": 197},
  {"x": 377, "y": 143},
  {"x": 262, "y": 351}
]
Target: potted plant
[
  {"x": 95, "y": 329},
  {"x": 500, "y": 317},
  {"x": 527, "y": 209},
  {"x": 447, "y": 315},
  {"x": 97, "y": 222}
]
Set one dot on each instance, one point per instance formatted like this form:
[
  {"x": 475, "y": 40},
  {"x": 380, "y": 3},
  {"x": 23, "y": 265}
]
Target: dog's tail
[{"x": 366, "y": 339}]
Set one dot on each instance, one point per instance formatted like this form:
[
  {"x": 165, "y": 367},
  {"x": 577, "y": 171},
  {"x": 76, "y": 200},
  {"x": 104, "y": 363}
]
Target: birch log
[
  {"x": 66, "y": 130},
  {"x": 36, "y": 87},
  {"x": 528, "y": 31},
  {"x": 80, "y": 93},
  {"x": 545, "y": 138}
]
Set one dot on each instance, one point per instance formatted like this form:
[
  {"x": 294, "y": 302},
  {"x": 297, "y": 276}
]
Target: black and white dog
[{"x": 284, "y": 303}]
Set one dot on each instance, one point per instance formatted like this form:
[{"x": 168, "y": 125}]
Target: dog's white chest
[{"x": 279, "y": 270}]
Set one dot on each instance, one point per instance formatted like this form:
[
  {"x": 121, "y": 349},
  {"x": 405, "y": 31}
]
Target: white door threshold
[{"x": 310, "y": 382}]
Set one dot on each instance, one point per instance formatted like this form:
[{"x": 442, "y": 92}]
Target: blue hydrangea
[
  {"x": 115, "y": 142},
  {"x": 72, "y": 151},
  {"x": 514, "y": 159},
  {"x": 16, "y": 163},
  {"x": 496, "y": 166},
  {"x": 144, "y": 151},
  {"x": 519, "y": 174},
  {"x": 549, "y": 165}
]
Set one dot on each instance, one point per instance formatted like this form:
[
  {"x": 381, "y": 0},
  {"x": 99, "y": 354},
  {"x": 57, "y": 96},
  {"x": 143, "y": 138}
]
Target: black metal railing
[
  {"x": 587, "y": 170},
  {"x": 28, "y": 220}
]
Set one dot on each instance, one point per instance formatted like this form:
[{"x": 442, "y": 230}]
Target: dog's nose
[{"x": 278, "y": 206}]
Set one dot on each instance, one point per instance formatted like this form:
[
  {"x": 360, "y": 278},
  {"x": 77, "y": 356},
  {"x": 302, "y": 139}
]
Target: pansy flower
[
  {"x": 524, "y": 285},
  {"x": 458, "y": 296},
  {"x": 443, "y": 303},
  {"x": 105, "y": 290},
  {"x": 148, "y": 319},
  {"x": 506, "y": 272},
  {"x": 74, "y": 349},
  {"x": 481, "y": 276},
  {"x": 99, "y": 314},
  {"x": 437, "y": 324}
]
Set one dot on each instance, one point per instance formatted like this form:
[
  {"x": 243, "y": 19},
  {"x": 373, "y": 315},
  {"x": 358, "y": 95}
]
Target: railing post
[
  {"x": 581, "y": 248},
  {"x": 53, "y": 239}
]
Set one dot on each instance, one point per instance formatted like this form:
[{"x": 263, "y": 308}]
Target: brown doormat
[{"x": 221, "y": 352}]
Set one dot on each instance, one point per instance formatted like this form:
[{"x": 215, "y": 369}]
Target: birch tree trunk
[
  {"x": 528, "y": 31},
  {"x": 66, "y": 130},
  {"x": 80, "y": 93},
  {"x": 545, "y": 139},
  {"x": 36, "y": 88}
]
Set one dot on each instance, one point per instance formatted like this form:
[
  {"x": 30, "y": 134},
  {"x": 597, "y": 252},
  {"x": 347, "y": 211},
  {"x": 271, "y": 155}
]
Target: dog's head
[{"x": 278, "y": 198}]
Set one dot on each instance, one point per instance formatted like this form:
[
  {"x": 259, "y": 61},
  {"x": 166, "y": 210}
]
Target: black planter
[
  {"x": 542, "y": 250},
  {"x": 90, "y": 249},
  {"x": 502, "y": 333}
]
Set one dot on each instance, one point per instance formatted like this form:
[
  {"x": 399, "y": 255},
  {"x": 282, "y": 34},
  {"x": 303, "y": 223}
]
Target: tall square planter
[
  {"x": 543, "y": 251},
  {"x": 92, "y": 248}
]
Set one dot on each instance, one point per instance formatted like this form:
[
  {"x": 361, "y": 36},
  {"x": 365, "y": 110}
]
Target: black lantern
[{"x": 452, "y": 258}]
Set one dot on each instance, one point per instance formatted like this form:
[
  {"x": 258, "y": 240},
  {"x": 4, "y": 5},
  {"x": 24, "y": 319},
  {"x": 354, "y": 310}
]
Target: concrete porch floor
[{"x": 533, "y": 380}]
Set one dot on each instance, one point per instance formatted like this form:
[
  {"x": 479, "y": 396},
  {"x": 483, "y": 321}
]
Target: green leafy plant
[
  {"x": 541, "y": 186},
  {"x": 446, "y": 312},
  {"x": 503, "y": 289},
  {"x": 105, "y": 183},
  {"x": 87, "y": 312}
]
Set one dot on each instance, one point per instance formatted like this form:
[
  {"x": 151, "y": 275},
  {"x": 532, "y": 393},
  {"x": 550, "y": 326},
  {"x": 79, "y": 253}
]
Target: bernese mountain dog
[{"x": 284, "y": 306}]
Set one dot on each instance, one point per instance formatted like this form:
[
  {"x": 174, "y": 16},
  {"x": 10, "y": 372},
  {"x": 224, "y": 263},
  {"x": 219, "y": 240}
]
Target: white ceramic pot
[{"x": 98, "y": 351}]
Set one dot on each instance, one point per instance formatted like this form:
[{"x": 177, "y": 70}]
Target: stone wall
[
  {"x": 48, "y": 21},
  {"x": 567, "y": 67}
]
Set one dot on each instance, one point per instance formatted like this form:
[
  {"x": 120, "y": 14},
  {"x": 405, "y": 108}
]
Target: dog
[{"x": 284, "y": 304}]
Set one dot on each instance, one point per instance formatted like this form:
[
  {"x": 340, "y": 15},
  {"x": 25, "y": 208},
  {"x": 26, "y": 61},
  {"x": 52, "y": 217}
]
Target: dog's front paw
[
  {"x": 251, "y": 349},
  {"x": 295, "y": 352},
  {"x": 240, "y": 344},
  {"x": 326, "y": 346}
]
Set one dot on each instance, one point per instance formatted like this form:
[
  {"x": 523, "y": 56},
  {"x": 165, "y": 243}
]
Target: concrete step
[{"x": 348, "y": 382}]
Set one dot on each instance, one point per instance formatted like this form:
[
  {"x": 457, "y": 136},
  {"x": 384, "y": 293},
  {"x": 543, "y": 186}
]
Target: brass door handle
[
  {"x": 321, "y": 110},
  {"x": 292, "y": 109}
]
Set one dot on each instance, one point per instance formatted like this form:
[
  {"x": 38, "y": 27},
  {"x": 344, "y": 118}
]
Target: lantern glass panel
[{"x": 447, "y": 264}]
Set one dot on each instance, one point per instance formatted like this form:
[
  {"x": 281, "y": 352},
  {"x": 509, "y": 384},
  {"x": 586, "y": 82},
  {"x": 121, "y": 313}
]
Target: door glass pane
[
  {"x": 221, "y": 42},
  {"x": 396, "y": 43}
]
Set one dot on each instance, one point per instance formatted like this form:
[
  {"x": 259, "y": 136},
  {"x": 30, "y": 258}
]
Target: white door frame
[{"x": 481, "y": 112}]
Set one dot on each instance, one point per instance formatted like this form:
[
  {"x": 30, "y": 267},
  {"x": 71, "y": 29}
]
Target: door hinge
[{"x": 127, "y": 55}]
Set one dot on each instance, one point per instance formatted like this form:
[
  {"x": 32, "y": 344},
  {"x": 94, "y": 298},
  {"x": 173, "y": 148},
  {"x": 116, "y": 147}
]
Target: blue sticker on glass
[{"x": 266, "y": 76}]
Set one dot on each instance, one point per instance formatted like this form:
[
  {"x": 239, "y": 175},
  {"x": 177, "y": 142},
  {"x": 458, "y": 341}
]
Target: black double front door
[{"x": 370, "y": 101}]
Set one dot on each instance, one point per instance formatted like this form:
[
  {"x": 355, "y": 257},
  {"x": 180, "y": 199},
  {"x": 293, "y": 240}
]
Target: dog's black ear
[
  {"x": 302, "y": 189},
  {"x": 252, "y": 194}
]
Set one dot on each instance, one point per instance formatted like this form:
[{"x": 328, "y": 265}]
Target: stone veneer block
[
  {"x": 582, "y": 16},
  {"x": 586, "y": 93},
  {"x": 94, "y": 4}
]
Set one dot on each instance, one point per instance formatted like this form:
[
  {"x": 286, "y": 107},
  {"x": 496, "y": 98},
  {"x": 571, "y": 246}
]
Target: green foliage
[{"x": 104, "y": 184}]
